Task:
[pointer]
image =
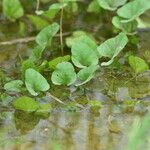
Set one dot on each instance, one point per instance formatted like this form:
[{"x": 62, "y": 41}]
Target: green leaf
[
  {"x": 12, "y": 9},
  {"x": 94, "y": 7},
  {"x": 45, "y": 36},
  {"x": 138, "y": 64},
  {"x": 14, "y": 86},
  {"x": 81, "y": 36},
  {"x": 64, "y": 74},
  {"x": 38, "y": 22},
  {"x": 111, "y": 4},
  {"x": 35, "y": 82},
  {"x": 94, "y": 103},
  {"x": 86, "y": 74},
  {"x": 37, "y": 53},
  {"x": 53, "y": 10},
  {"x": 112, "y": 47},
  {"x": 128, "y": 28},
  {"x": 26, "y": 65},
  {"x": 44, "y": 109},
  {"x": 26, "y": 104},
  {"x": 84, "y": 52},
  {"x": 53, "y": 63},
  {"x": 133, "y": 9}
]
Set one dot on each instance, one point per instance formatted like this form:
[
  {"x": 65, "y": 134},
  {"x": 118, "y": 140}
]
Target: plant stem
[
  {"x": 37, "y": 5},
  {"x": 61, "y": 29}
]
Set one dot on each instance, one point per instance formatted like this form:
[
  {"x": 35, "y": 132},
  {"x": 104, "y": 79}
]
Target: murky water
[{"x": 123, "y": 99}]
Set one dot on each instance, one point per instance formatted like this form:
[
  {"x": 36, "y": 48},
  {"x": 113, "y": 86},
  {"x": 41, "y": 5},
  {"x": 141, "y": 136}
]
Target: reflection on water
[{"x": 62, "y": 130}]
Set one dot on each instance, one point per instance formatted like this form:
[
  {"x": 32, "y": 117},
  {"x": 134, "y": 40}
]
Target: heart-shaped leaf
[
  {"x": 84, "y": 52},
  {"x": 14, "y": 85},
  {"x": 35, "y": 82},
  {"x": 133, "y": 9},
  {"x": 86, "y": 74},
  {"x": 64, "y": 74},
  {"x": 45, "y": 35},
  {"x": 111, "y": 4},
  {"x": 112, "y": 47},
  {"x": 138, "y": 64},
  {"x": 26, "y": 104}
]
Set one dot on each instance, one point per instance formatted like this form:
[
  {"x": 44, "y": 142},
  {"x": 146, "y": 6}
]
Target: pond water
[{"x": 123, "y": 98}]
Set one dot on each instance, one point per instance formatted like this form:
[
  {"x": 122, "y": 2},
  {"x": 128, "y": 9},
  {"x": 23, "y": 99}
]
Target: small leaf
[
  {"x": 86, "y": 74},
  {"x": 94, "y": 7},
  {"x": 112, "y": 47},
  {"x": 133, "y": 9},
  {"x": 111, "y": 4},
  {"x": 26, "y": 65},
  {"x": 53, "y": 63},
  {"x": 14, "y": 86},
  {"x": 94, "y": 103},
  {"x": 26, "y": 104},
  {"x": 53, "y": 10},
  {"x": 35, "y": 82},
  {"x": 45, "y": 36},
  {"x": 44, "y": 109},
  {"x": 138, "y": 64},
  {"x": 84, "y": 52},
  {"x": 64, "y": 74},
  {"x": 12, "y": 9}
]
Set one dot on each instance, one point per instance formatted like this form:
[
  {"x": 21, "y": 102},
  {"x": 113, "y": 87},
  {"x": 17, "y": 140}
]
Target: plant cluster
[{"x": 86, "y": 54}]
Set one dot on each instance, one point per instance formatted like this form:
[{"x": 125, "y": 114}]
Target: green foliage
[
  {"x": 138, "y": 64},
  {"x": 111, "y": 4},
  {"x": 26, "y": 65},
  {"x": 86, "y": 74},
  {"x": 38, "y": 22},
  {"x": 94, "y": 103},
  {"x": 26, "y": 104},
  {"x": 64, "y": 74},
  {"x": 112, "y": 47},
  {"x": 84, "y": 52},
  {"x": 133, "y": 9},
  {"x": 94, "y": 7},
  {"x": 12, "y": 9},
  {"x": 14, "y": 86},
  {"x": 53, "y": 10},
  {"x": 35, "y": 82},
  {"x": 37, "y": 53},
  {"x": 45, "y": 36},
  {"x": 53, "y": 63},
  {"x": 128, "y": 27}
]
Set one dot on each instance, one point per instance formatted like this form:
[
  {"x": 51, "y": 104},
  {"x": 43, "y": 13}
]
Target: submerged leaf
[
  {"x": 86, "y": 74},
  {"x": 35, "y": 82},
  {"x": 138, "y": 64},
  {"x": 14, "y": 86},
  {"x": 26, "y": 104},
  {"x": 64, "y": 74},
  {"x": 45, "y": 36},
  {"x": 12, "y": 9},
  {"x": 133, "y": 9},
  {"x": 111, "y": 4},
  {"x": 112, "y": 47}
]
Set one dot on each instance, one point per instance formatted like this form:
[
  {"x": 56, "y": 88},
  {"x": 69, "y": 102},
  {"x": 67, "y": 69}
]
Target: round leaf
[
  {"x": 64, "y": 74},
  {"x": 35, "y": 82},
  {"x": 26, "y": 104}
]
